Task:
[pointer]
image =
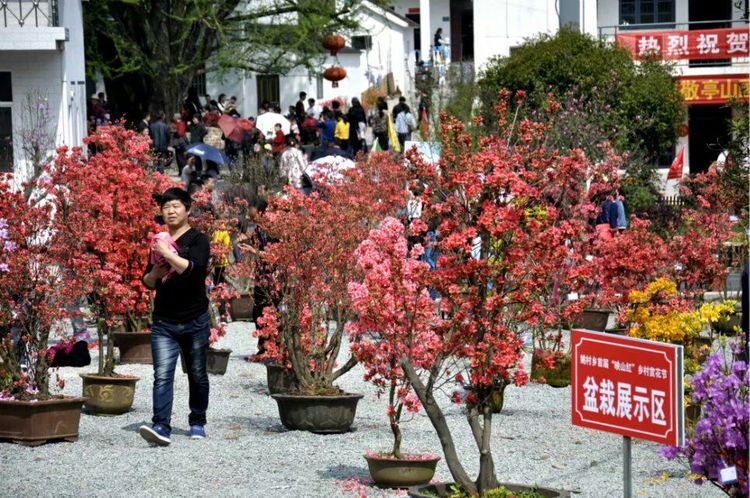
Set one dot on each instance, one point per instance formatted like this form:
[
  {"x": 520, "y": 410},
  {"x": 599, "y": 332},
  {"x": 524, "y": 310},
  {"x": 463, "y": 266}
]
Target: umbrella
[
  {"x": 231, "y": 129},
  {"x": 246, "y": 124},
  {"x": 266, "y": 122},
  {"x": 207, "y": 153},
  {"x": 329, "y": 167}
]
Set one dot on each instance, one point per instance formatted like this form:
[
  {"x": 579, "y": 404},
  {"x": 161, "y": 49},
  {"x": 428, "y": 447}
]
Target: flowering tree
[
  {"x": 719, "y": 438},
  {"x": 312, "y": 253},
  {"x": 493, "y": 199},
  {"x": 105, "y": 219},
  {"x": 392, "y": 304},
  {"x": 33, "y": 289}
]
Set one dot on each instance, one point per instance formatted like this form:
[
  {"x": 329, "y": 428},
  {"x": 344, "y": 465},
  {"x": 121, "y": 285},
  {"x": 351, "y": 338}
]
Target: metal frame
[{"x": 34, "y": 13}]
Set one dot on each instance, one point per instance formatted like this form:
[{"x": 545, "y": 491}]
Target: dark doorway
[
  {"x": 717, "y": 10},
  {"x": 268, "y": 88},
  {"x": 417, "y": 39},
  {"x": 462, "y": 30},
  {"x": 708, "y": 135}
]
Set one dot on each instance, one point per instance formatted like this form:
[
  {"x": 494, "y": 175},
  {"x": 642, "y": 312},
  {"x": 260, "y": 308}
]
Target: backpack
[
  {"x": 410, "y": 122},
  {"x": 379, "y": 124}
]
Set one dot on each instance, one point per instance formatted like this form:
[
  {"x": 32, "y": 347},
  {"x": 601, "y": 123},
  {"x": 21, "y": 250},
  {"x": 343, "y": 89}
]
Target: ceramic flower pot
[
  {"x": 389, "y": 472},
  {"x": 280, "y": 379},
  {"x": 592, "y": 319},
  {"x": 557, "y": 376},
  {"x": 241, "y": 308},
  {"x": 217, "y": 361},
  {"x": 108, "y": 395},
  {"x": 317, "y": 414},
  {"x": 32, "y": 423},
  {"x": 135, "y": 347},
  {"x": 443, "y": 490}
]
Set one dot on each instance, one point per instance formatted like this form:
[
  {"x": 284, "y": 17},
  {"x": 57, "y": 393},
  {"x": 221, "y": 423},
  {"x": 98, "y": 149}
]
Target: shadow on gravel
[
  {"x": 265, "y": 424},
  {"x": 342, "y": 472}
]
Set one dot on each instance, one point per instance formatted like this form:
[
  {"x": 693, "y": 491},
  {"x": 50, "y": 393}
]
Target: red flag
[{"x": 675, "y": 171}]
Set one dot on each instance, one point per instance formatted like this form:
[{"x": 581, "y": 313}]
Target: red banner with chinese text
[
  {"x": 694, "y": 44},
  {"x": 713, "y": 89},
  {"x": 627, "y": 386}
]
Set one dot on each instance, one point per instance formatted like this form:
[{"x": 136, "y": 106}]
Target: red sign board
[
  {"x": 713, "y": 89},
  {"x": 628, "y": 386},
  {"x": 694, "y": 44}
]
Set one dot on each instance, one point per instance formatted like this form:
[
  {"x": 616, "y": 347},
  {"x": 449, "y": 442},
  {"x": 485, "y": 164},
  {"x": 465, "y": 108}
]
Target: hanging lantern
[
  {"x": 333, "y": 43},
  {"x": 335, "y": 74}
]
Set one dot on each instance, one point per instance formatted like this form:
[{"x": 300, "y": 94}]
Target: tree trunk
[
  {"x": 487, "y": 478},
  {"x": 441, "y": 427},
  {"x": 168, "y": 93}
]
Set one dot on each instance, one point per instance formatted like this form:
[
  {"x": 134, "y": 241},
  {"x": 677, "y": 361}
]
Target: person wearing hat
[{"x": 97, "y": 110}]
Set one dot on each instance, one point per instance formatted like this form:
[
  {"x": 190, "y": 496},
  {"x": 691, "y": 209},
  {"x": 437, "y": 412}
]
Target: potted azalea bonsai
[
  {"x": 486, "y": 195},
  {"x": 34, "y": 291},
  {"x": 384, "y": 331},
  {"x": 558, "y": 266},
  {"x": 105, "y": 219},
  {"x": 312, "y": 257}
]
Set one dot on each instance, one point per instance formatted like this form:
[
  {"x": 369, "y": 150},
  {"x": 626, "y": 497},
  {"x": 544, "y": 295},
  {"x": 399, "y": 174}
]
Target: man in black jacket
[{"x": 180, "y": 318}]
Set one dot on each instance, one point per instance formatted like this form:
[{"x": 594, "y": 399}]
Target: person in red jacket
[{"x": 279, "y": 140}]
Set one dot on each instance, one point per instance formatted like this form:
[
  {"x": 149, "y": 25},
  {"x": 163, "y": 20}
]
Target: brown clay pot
[
  {"x": 241, "y": 308},
  {"x": 444, "y": 490},
  {"x": 32, "y": 423},
  {"x": 280, "y": 379},
  {"x": 135, "y": 347},
  {"x": 387, "y": 472},
  {"x": 318, "y": 414},
  {"x": 217, "y": 361},
  {"x": 592, "y": 319},
  {"x": 108, "y": 395}
]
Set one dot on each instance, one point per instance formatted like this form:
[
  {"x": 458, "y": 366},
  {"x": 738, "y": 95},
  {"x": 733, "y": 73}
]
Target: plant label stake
[{"x": 632, "y": 387}]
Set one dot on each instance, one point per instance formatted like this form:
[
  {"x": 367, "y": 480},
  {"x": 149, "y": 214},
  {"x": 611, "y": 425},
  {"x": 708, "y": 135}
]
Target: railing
[
  {"x": 33, "y": 13},
  {"x": 609, "y": 33}
]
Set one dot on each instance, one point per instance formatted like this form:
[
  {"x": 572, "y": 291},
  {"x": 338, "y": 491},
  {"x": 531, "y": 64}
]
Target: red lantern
[
  {"x": 335, "y": 74},
  {"x": 334, "y": 43}
]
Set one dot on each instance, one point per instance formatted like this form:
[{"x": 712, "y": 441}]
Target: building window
[
  {"x": 199, "y": 83},
  {"x": 362, "y": 42},
  {"x": 6, "y": 123},
  {"x": 646, "y": 11}
]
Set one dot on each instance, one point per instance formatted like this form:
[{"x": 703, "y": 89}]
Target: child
[{"x": 278, "y": 142}]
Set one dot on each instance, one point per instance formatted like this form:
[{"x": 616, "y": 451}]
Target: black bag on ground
[{"x": 78, "y": 357}]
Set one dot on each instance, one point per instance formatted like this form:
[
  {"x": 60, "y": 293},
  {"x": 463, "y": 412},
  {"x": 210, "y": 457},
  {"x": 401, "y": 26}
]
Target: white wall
[
  {"x": 502, "y": 24},
  {"x": 33, "y": 71},
  {"x": 73, "y": 105},
  {"x": 392, "y": 51}
]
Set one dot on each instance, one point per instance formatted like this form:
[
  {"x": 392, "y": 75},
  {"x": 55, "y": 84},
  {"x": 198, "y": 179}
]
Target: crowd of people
[{"x": 308, "y": 131}]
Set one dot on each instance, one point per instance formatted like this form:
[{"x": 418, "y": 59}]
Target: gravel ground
[{"x": 248, "y": 452}]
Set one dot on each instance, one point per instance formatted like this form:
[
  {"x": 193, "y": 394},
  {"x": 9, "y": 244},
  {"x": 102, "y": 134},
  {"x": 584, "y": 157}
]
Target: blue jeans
[{"x": 168, "y": 340}]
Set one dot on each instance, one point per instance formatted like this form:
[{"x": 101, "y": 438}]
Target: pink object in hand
[{"x": 157, "y": 258}]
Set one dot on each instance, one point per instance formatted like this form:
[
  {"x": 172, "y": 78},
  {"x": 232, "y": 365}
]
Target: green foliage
[
  {"x": 644, "y": 107},
  {"x": 167, "y": 43},
  {"x": 456, "y": 491}
]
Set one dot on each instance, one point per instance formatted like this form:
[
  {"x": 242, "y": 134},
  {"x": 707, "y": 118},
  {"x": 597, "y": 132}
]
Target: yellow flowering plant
[{"x": 659, "y": 314}]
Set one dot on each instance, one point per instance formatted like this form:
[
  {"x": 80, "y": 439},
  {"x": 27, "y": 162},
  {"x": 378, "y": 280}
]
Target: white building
[
  {"x": 706, "y": 83},
  {"x": 382, "y": 46},
  {"x": 477, "y": 30},
  {"x": 41, "y": 53}
]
